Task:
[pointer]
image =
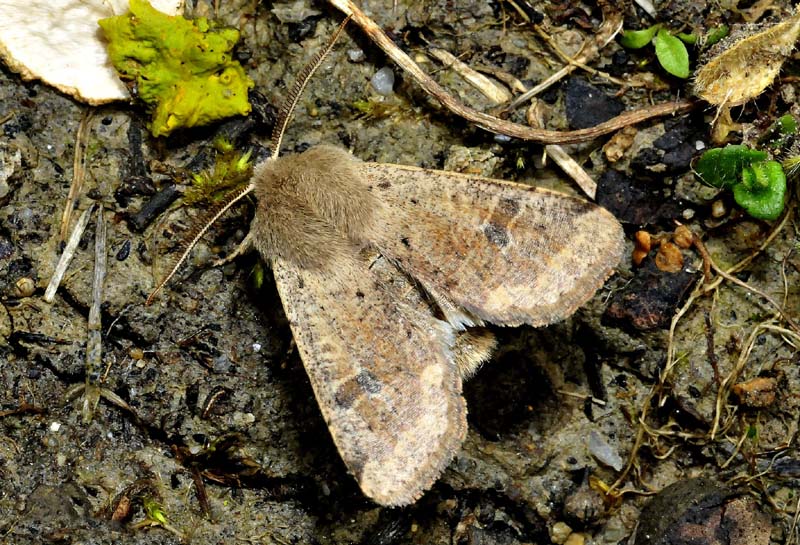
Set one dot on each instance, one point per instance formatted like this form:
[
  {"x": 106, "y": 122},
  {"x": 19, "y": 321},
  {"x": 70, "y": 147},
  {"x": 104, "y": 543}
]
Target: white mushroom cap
[{"x": 59, "y": 42}]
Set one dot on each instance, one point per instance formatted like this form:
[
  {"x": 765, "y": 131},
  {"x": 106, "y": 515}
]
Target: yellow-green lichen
[{"x": 182, "y": 69}]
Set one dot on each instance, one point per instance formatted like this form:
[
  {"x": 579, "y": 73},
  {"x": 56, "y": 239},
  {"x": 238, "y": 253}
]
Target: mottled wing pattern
[
  {"x": 382, "y": 372},
  {"x": 503, "y": 252}
]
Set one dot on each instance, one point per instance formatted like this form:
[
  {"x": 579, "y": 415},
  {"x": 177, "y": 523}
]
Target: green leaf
[
  {"x": 637, "y": 39},
  {"x": 762, "y": 190},
  {"x": 688, "y": 39},
  {"x": 716, "y": 34},
  {"x": 722, "y": 167},
  {"x": 154, "y": 510},
  {"x": 787, "y": 124},
  {"x": 672, "y": 54}
]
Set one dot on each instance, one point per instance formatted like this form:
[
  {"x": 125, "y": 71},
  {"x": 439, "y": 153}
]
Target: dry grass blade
[
  {"x": 612, "y": 24},
  {"x": 67, "y": 255},
  {"x": 94, "y": 341},
  {"x": 571, "y": 167},
  {"x": 703, "y": 286},
  {"x": 78, "y": 171},
  {"x": 495, "y": 93},
  {"x": 730, "y": 278}
]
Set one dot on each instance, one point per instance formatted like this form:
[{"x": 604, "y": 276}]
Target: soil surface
[{"x": 208, "y": 418}]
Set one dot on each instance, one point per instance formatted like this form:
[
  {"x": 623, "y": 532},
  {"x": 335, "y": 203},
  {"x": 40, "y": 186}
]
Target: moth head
[{"x": 277, "y": 136}]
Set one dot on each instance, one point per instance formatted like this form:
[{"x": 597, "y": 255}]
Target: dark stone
[
  {"x": 702, "y": 512},
  {"x": 587, "y": 105},
  {"x": 22, "y": 123},
  {"x": 679, "y": 159},
  {"x": 584, "y": 506},
  {"x": 650, "y": 299},
  {"x": 300, "y": 31},
  {"x": 634, "y": 201},
  {"x": 124, "y": 251},
  {"x": 647, "y": 157}
]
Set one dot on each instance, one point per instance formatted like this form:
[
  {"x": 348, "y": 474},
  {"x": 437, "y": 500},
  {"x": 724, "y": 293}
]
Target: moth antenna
[
  {"x": 198, "y": 232},
  {"x": 291, "y": 99}
]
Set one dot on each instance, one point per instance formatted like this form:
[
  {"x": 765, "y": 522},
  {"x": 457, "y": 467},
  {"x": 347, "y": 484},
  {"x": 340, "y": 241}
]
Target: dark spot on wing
[
  {"x": 509, "y": 207},
  {"x": 363, "y": 383},
  {"x": 405, "y": 242},
  {"x": 496, "y": 234},
  {"x": 347, "y": 394},
  {"x": 369, "y": 382},
  {"x": 384, "y": 185},
  {"x": 360, "y": 294}
]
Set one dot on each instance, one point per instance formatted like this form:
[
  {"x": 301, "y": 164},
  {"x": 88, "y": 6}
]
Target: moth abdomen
[{"x": 312, "y": 207}]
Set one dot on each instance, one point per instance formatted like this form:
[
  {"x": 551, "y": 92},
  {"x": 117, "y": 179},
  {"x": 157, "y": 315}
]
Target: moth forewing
[
  {"x": 382, "y": 371},
  {"x": 502, "y": 252}
]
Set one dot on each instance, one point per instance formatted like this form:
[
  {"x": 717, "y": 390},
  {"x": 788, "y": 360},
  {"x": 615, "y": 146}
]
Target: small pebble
[
  {"x": 136, "y": 353},
  {"x": 643, "y": 240},
  {"x": 55, "y": 426},
  {"x": 584, "y": 505},
  {"x": 718, "y": 209},
  {"x": 24, "y": 287},
  {"x": 757, "y": 392},
  {"x": 559, "y": 533},
  {"x": 604, "y": 452},
  {"x": 124, "y": 251},
  {"x": 638, "y": 256},
  {"x": 356, "y": 55},
  {"x": 502, "y": 138},
  {"x": 383, "y": 81},
  {"x": 575, "y": 538}
]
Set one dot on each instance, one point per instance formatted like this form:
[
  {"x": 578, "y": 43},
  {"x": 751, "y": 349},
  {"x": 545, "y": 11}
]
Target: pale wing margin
[
  {"x": 498, "y": 251},
  {"x": 382, "y": 373}
]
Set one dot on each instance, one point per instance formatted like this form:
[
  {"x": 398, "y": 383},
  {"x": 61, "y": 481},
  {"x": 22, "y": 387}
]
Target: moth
[{"x": 385, "y": 271}]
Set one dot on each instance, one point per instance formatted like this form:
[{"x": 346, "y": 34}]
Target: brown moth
[{"x": 385, "y": 270}]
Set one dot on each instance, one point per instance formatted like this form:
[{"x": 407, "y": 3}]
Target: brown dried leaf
[{"x": 746, "y": 63}]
